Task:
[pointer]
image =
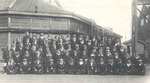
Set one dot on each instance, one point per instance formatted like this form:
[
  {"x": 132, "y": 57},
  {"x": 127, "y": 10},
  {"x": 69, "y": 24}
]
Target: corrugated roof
[
  {"x": 35, "y": 6},
  {"x": 32, "y": 6}
]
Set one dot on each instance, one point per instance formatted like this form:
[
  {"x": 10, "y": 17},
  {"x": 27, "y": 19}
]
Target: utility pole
[{"x": 134, "y": 27}]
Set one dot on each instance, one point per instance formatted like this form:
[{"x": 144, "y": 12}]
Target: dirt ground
[{"x": 76, "y": 78}]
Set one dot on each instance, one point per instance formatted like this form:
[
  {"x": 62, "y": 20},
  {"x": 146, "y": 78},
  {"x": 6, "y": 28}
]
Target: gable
[{"x": 33, "y": 6}]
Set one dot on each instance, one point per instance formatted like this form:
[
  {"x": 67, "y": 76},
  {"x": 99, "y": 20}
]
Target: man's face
[
  {"x": 27, "y": 33},
  {"x": 51, "y": 62},
  {"x": 89, "y": 43}
]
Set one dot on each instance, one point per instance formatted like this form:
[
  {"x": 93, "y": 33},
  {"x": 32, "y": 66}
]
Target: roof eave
[{"x": 52, "y": 14}]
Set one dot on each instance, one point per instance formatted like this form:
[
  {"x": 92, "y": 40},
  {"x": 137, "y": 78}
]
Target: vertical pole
[
  {"x": 9, "y": 34},
  {"x": 9, "y": 40},
  {"x": 134, "y": 27},
  {"x": 92, "y": 28}
]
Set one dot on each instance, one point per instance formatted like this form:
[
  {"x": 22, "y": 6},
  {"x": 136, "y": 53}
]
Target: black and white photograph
[{"x": 75, "y": 41}]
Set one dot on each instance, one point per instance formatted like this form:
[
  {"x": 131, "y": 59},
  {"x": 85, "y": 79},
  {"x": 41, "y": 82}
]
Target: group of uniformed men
[{"x": 69, "y": 54}]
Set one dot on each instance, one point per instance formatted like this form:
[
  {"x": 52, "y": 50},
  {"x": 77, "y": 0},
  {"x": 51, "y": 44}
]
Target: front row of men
[{"x": 74, "y": 66}]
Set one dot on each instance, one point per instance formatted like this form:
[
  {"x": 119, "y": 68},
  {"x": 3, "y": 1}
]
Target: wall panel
[
  {"x": 3, "y": 21},
  {"x": 3, "y": 42}
]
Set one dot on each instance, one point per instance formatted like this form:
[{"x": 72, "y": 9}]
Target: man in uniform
[
  {"x": 81, "y": 66},
  {"x": 108, "y": 53},
  {"x": 10, "y": 67},
  {"x": 39, "y": 61},
  {"x": 25, "y": 67},
  {"x": 51, "y": 66},
  {"x": 92, "y": 66},
  {"x": 26, "y": 38},
  {"x": 41, "y": 42},
  {"x": 61, "y": 66},
  {"x": 73, "y": 42},
  {"x": 116, "y": 63},
  {"x": 140, "y": 67},
  {"x": 70, "y": 66},
  {"x": 17, "y": 59},
  {"x": 66, "y": 43},
  {"x": 75, "y": 57},
  {"x": 89, "y": 46},
  {"x": 94, "y": 53},
  {"x": 27, "y": 62},
  {"x": 85, "y": 57},
  {"x": 100, "y": 53},
  {"x": 33, "y": 53},
  {"x": 19, "y": 44},
  {"x": 94, "y": 41},
  {"x": 26, "y": 44},
  {"x": 109, "y": 66},
  {"x": 81, "y": 43},
  {"x": 59, "y": 43},
  {"x": 38, "y": 67},
  {"x": 101, "y": 67},
  {"x": 86, "y": 39},
  {"x": 129, "y": 67},
  {"x": 34, "y": 40}
]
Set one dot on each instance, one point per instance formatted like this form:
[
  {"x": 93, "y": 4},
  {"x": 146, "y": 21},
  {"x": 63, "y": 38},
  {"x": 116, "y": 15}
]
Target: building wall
[
  {"x": 3, "y": 42},
  {"x": 36, "y": 22},
  {"x": 81, "y": 27},
  {"x": 49, "y": 23},
  {"x": 3, "y": 21}
]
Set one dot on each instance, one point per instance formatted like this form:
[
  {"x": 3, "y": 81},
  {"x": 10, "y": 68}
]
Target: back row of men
[{"x": 73, "y": 54}]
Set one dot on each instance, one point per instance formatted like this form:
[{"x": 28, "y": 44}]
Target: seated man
[
  {"x": 129, "y": 67},
  {"x": 25, "y": 67},
  {"x": 101, "y": 66},
  {"x": 17, "y": 59},
  {"x": 118, "y": 66},
  {"x": 51, "y": 66},
  {"x": 109, "y": 66},
  {"x": 92, "y": 67},
  {"x": 81, "y": 66},
  {"x": 71, "y": 66},
  {"x": 38, "y": 67},
  {"x": 61, "y": 66},
  {"x": 10, "y": 67},
  {"x": 140, "y": 67}
]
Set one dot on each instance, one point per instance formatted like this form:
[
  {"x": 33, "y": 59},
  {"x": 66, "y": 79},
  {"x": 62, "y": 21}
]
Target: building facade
[{"x": 20, "y": 16}]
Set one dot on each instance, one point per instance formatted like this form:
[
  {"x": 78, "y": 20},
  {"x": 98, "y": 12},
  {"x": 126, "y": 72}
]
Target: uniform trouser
[
  {"x": 101, "y": 69},
  {"x": 10, "y": 69},
  {"x": 38, "y": 69},
  {"x": 17, "y": 68},
  {"x": 81, "y": 70},
  {"x": 129, "y": 70},
  {"x": 109, "y": 69},
  {"x": 51, "y": 69},
  {"x": 140, "y": 69},
  {"x": 70, "y": 69},
  {"x": 25, "y": 69},
  {"x": 118, "y": 69},
  {"x": 60, "y": 69},
  {"x": 92, "y": 69}
]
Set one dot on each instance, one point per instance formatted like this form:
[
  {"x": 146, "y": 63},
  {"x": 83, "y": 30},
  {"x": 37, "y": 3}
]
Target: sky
[{"x": 115, "y": 14}]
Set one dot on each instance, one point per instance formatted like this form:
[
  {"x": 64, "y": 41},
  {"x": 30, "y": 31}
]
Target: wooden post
[
  {"x": 134, "y": 28},
  {"x": 9, "y": 34}
]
